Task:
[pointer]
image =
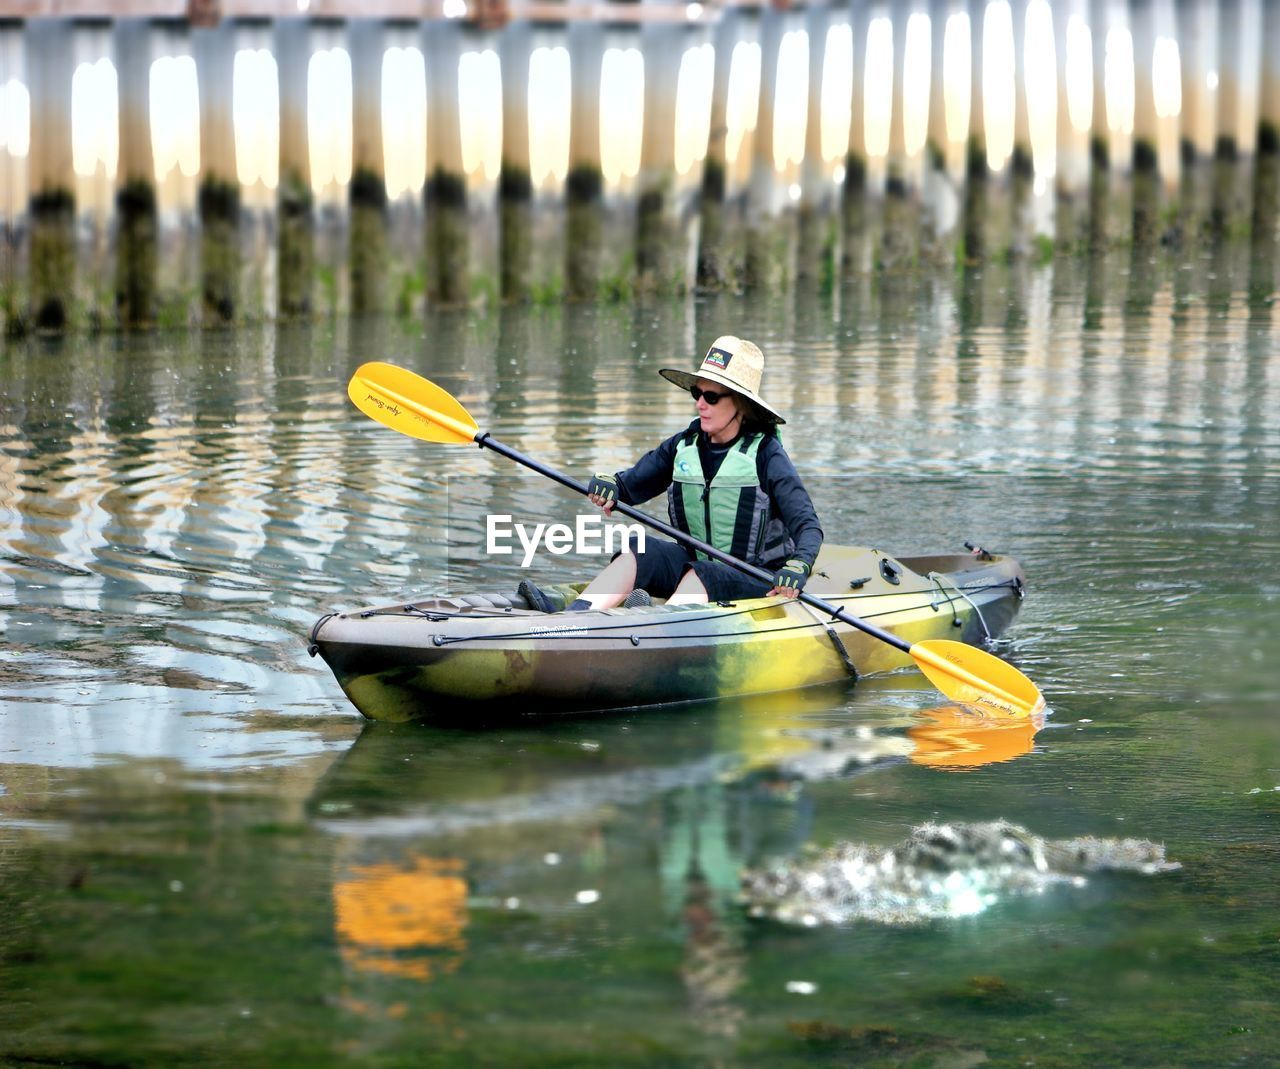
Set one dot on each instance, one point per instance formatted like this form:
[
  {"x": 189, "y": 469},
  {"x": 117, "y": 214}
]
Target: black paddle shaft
[{"x": 486, "y": 441}]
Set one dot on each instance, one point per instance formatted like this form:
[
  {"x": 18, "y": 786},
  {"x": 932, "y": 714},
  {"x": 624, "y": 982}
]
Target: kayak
[{"x": 487, "y": 657}]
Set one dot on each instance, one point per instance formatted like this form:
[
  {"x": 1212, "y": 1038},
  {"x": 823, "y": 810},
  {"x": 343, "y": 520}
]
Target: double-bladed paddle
[{"x": 412, "y": 405}]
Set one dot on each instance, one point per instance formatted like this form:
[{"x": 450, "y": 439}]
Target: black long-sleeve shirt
[{"x": 652, "y": 474}]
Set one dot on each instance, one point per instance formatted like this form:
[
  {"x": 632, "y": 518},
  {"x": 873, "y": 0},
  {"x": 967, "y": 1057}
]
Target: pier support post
[
  {"x": 1198, "y": 52},
  {"x": 137, "y": 239},
  {"x": 1071, "y": 182},
  {"x": 95, "y": 191},
  {"x": 977, "y": 172},
  {"x": 515, "y": 185},
  {"x": 1266, "y": 184},
  {"x": 1239, "y": 30},
  {"x": 1111, "y": 144},
  {"x": 445, "y": 194},
  {"x": 900, "y": 237},
  {"x": 219, "y": 194},
  {"x": 856, "y": 244},
  {"x": 715, "y": 270},
  {"x": 584, "y": 185},
  {"x": 769, "y": 252},
  {"x": 816, "y": 246},
  {"x": 367, "y": 192},
  {"x": 940, "y": 192},
  {"x": 295, "y": 233},
  {"x": 13, "y": 196},
  {"x": 659, "y": 237},
  {"x": 1099, "y": 133},
  {"x": 1147, "y": 184},
  {"x": 51, "y": 174},
  {"x": 1022, "y": 163}
]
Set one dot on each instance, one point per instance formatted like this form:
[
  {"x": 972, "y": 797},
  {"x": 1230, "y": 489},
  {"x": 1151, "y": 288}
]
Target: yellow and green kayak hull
[{"x": 485, "y": 657}]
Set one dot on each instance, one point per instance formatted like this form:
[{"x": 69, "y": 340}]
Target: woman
[{"x": 729, "y": 482}]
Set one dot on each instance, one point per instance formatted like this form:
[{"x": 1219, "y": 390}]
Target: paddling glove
[
  {"x": 793, "y": 574},
  {"x": 603, "y": 485}
]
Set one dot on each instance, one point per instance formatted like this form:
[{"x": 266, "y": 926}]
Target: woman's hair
[{"x": 754, "y": 420}]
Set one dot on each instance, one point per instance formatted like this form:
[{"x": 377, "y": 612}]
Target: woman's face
[{"x": 721, "y": 421}]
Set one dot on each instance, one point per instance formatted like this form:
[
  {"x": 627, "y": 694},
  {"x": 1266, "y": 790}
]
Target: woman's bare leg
[
  {"x": 690, "y": 591},
  {"x": 607, "y": 590}
]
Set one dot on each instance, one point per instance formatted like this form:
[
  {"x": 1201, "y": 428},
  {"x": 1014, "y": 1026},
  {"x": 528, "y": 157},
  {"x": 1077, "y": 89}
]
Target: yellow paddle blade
[
  {"x": 967, "y": 674},
  {"x": 410, "y": 404}
]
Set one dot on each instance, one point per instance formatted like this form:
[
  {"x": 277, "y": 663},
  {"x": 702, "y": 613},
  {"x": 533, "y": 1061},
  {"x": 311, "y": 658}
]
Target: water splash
[{"x": 941, "y": 871}]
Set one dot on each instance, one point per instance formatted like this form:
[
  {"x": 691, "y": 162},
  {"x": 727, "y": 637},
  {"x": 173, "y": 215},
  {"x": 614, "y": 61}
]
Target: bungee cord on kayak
[
  {"x": 938, "y": 578},
  {"x": 659, "y": 619}
]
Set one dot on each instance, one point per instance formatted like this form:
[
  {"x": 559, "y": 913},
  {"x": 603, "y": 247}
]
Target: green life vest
[{"x": 732, "y": 512}]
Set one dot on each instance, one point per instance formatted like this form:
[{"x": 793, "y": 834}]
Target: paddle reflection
[
  {"x": 957, "y": 738},
  {"x": 402, "y": 919}
]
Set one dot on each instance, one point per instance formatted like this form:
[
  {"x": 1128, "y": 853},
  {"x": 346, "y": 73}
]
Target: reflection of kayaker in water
[{"x": 729, "y": 482}]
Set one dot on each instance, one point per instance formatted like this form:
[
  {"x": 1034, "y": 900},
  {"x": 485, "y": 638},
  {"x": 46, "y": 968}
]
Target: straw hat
[{"x": 732, "y": 362}]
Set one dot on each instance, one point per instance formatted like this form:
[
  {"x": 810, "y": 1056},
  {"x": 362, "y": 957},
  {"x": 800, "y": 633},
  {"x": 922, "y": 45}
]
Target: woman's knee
[{"x": 689, "y": 591}]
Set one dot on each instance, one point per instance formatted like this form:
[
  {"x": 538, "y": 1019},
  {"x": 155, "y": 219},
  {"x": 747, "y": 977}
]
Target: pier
[{"x": 214, "y": 162}]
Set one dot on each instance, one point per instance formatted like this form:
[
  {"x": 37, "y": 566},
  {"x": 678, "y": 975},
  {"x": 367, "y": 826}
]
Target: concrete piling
[
  {"x": 95, "y": 169},
  {"x": 52, "y": 206},
  {"x": 1022, "y": 162},
  {"x": 770, "y": 248},
  {"x": 725, "y": 229},
  {"x": 943, "y": 167},
  {"x": 715, "y": 270},
  {"x": 515, "y": 185},
  {"x": 256, "y": 170},
  {"x": 660, "y": 238},
  {"x": 1147, "y": 184},
  {"x": 404, "y": 132},
  {"x": 445, "y": 193},
  {"x": 219, "y": 194},
  {"x": 899, "y": 243},
  {"x": 1071, "y": 166},
  {"x": 816, "y": 247},
  {"x": 295, "y": 225},
  {"x": 1239, "y": 33},
  {"x": 1167, "y": 93},
  {"x": 1197, "y": 22},
  {"x": 1269, "y": 93},
  {"x": 1111, "y": 139},
  {"x": 977, "y": 171},
  {"x": 13, "y": 187},
  {"x": 584, "y": 183},
  {"x": 1266, "y": 184},
  {"x": 137, "y": 239},
  {"x": 367, "y": 191},
  {"x": 856, "y": 247}
]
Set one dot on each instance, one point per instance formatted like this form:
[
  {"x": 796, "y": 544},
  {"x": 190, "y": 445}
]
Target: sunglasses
[{"x": 710, "y": 396}]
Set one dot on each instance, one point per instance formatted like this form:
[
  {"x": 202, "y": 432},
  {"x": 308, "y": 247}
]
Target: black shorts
[{"x": 663, "y": 564}]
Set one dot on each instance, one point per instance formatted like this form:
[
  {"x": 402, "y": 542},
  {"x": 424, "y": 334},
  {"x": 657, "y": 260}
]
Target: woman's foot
[
  {"x": 553, "y": 600},
  {"x": 538, "y": 601}
]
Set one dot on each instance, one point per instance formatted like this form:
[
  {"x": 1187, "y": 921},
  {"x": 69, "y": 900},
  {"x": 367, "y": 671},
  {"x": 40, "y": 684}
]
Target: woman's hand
[
  {"x": 790, "y": 579},
  {"x": 602, "y": 491}
]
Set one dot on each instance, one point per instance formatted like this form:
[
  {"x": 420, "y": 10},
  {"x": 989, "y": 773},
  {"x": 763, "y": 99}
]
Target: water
[{"x": 206, "y": 857}]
